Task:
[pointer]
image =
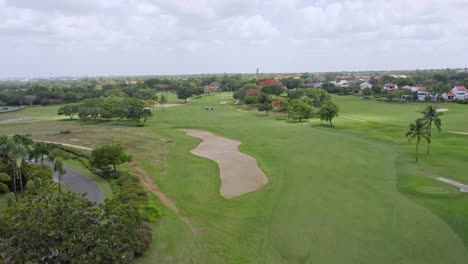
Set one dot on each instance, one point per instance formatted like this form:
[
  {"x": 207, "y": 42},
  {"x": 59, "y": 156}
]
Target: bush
[
  {"x": 249, "y": 100},
  {"x": 66, "y": 131}
]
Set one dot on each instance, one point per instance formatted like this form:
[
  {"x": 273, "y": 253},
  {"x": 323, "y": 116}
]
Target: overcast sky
[{"x": 136, "y": 37}]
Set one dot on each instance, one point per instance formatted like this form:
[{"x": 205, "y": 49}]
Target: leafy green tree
[
  {"x": 69, "y": 110},
  {"x": 249, "y": 100},
  {"x": 319, "y": 97},
  {"x": 107, "y": 155},
  {"x": 263, "y": 99},
  {"x": 198, "y": 91},
  {"x": 328, "y": 111},
  {"x": 184, "y": 91},
  {"x": 273, "y": 90},
  {"x": 418, "y": 131},
  {"x": 266, "y": 107},
  {"x": 291, "y": 83},
  {"x": 240, "y": 94},
  {"x": 70, "y": 229},
  {"x": 4, "y": 179},
  {"x": 431, "y": 116},
  {"x": 298, "y": 109}
]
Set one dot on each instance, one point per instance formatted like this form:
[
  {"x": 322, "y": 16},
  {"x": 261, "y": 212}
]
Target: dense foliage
[{"x": 70, "y": 229}]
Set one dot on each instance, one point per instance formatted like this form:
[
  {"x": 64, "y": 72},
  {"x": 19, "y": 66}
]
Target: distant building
[
  {"x": 449, "y": 96},
  {"x": 461, "y": 93},
  {"x": 390, "y": 87},
  {"x": 365, "y": 85}
]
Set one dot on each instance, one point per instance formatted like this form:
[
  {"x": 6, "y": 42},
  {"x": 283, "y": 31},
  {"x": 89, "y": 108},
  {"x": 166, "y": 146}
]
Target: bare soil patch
[
  {"x": 154, "y": 188},
  {"x": 224, "y": 102},
  {"x": 239, "y": 172},
  {"x": 65, "y": 144}
]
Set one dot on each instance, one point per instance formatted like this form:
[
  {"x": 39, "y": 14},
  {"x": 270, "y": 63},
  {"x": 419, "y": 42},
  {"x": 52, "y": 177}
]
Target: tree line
[{"x": 112, "y": 107}]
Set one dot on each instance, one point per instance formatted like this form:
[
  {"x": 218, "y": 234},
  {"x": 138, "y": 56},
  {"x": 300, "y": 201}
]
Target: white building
[
  {"x": 390, "y": 87},
  {"x": 365, "y": 85},
  {"x": 461, "y": 93}
]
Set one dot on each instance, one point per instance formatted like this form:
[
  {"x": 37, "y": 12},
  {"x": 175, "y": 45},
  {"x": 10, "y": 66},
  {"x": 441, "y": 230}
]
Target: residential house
[
  {"x": 449, "y": 96},
  {"x": 461, "y": 93},
  {"x": 390, "y": 87},
  {"x": 365, "y": 85}
]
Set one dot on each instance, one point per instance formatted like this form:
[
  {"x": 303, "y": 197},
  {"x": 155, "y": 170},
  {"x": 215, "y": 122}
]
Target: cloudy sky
[{"x": 136, "y": 37}]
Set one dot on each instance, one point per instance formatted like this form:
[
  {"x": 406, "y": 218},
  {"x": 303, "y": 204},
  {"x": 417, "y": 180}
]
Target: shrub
[
  {"x": 66, "y": 131},
  {"x": 249, "y": 100}
]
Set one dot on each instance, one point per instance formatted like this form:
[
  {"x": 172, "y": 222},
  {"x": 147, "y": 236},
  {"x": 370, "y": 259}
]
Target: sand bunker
[
  {"x": 459, "y": 133},
  {"x": 239, "y": 172},
  {"x": 224, "y": 102},
  {"x": 460, "y": 186},
  {"x": 441, "y": 110}
]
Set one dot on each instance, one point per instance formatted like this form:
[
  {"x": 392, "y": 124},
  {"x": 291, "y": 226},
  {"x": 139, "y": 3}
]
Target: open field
[{"x": 349, "y": 194}]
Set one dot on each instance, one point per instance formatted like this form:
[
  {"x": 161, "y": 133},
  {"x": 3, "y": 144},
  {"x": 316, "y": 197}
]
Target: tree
[
  {"x": 329, "y": 111},
  {"x": 58, "y": 168},
  {"x": 431, "y": 116},
  {"x": 319, "y": 97},
  {"x": 29, "y": 99},
  {"x": 291, "y": 83},
  {"x": 163, "y": 100},
  {"x": 4, "y": 178},
  {"x": 40, "y": 150},
  {"x": 184, "y": 91},
  {"x": 263, "y": 98},
  {"x": 16, "y": 153},
  {"x": 418, "y": 131},
  {"x": 267, "y": 107},
  {"x": 240, "y": 94},
  {"x": 273, "y": 90},
  {"x": 299, "y": 109},
  {"x": 107, "y": 155},
  {"x": 70, "y": 229},
  {"x": 69, "y": 110}
]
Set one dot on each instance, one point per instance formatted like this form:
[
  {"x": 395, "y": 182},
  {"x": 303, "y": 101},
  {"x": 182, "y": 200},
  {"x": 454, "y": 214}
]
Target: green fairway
[{"x": 349, "y": 194}]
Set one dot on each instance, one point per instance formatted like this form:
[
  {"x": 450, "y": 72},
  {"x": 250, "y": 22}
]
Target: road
[{"x": 79, "y": 183}]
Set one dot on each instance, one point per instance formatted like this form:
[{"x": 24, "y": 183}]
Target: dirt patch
[
  {"x": 74, "y": 139},
  {"x": 12, "y": 120},
  {"x": 68, "y": 145},
  {"x": 224, "y": 102},
  {"x": 239, "y": 172},
  {"x": 154, "y": 188},
  {"x": 171, "y": 105},
  {"x": 441, "y": 110}
]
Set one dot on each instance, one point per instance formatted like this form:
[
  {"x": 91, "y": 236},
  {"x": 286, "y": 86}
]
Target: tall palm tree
[
  {"x": 40, "y": 150},
  {"x": 16, "y": 153},
  {"x": 58, "y": 167},
  {"x": 418, "y": 131},
  {"x": 431, "y": 116}
]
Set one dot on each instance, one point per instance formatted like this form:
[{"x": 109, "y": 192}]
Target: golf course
[{"x": 351, "y": 193}]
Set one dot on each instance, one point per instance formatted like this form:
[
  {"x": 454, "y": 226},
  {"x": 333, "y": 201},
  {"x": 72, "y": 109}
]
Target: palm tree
[
  {"x": 418, "y": 131},
  {"x": 163, "y": 100},
  {"x": 39, "y": 150},
  {"x": 16, "y": 153},
  {"x": 58, "y": 167},
  {"x": 431, "y": 116}
]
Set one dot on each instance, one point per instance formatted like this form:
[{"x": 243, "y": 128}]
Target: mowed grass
[{"x": 350, "y": 194}]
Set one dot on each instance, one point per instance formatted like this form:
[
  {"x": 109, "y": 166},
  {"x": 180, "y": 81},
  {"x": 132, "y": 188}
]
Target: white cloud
[{"x": 295, "y": 31}]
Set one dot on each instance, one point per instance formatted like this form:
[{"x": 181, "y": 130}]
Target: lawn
[{"x": 349, "y": 194}]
